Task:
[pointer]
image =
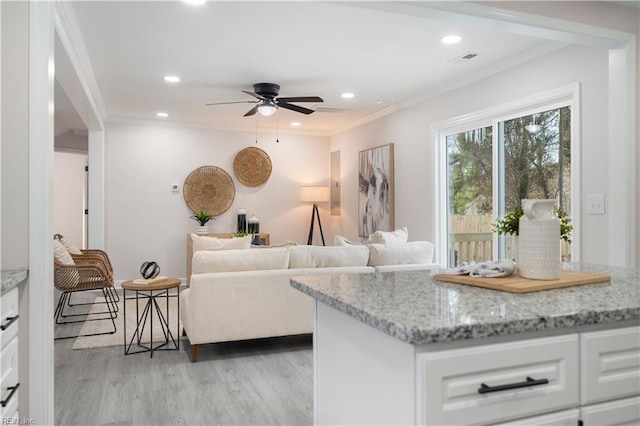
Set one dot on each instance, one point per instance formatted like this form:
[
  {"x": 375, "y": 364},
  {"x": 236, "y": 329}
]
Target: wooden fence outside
[{"x": 472, "y": 240}]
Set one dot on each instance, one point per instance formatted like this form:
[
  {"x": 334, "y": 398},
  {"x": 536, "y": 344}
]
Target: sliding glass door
[{"x": 491, "y": 169}]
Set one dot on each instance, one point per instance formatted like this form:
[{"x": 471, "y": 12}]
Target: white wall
[
  {"x": 145, "y": 221},
  {"x": 15, "y": 131},
  {"x": 69, "y": 180},
  {"x": 410, "y": 131}
]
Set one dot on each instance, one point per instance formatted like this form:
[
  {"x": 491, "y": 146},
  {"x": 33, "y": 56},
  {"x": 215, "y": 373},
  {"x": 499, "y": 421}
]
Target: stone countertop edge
[
  {"x": 12, "y": 278},
  {"x": 407, "y": 331}
]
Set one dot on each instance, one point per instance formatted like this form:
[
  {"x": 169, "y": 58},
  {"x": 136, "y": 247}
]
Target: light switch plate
[
  {"x": 595, "y": 204},
  {"x": 175, "y": 188}
]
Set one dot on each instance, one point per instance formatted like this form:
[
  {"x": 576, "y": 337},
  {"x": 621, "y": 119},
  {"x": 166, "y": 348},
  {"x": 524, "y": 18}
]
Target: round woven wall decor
[
  {"x": 210, "y": 189},
  {"x": 252, "y": 166}
]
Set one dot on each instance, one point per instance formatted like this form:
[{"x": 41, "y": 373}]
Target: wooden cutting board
[{"x": 516, "y": 284}]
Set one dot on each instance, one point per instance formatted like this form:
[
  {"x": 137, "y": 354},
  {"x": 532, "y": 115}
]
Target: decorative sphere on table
[{"x": 149, "y": 270}]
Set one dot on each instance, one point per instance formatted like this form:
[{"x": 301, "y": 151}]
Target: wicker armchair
[
  {"x": 97, "y": 255},
  {"x": 87, "y": 272}
]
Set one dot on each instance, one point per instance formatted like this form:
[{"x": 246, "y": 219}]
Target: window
[{"x": 487, "y": 168}]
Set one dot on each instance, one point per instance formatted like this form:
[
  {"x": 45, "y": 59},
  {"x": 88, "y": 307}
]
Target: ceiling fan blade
[
  {"x": 255, "y": 95},
  {"x": 252, "y": 111},
  {"x": 292, "y": 107},
  {"x": 227, "y": 103},
  {"x": 302, "y": 99}
]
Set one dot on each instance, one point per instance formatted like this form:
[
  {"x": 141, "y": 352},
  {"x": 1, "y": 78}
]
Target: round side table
[{"x": 150, "y": 294}]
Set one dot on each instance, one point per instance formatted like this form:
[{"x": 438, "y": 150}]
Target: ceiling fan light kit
[{"x": 268, "y": 101}]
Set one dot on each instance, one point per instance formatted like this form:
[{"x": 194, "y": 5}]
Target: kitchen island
[{"x": 403, "y": 348}]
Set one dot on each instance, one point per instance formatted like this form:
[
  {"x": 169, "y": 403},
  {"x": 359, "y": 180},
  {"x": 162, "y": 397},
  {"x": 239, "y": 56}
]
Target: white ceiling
[{"x": 309, "y": 48}]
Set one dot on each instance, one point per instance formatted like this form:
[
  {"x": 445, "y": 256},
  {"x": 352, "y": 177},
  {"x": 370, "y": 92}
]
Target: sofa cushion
[
  {"x": 400, "y": 254},
  {"x": 327, "y": 257},
  {"x": 202, "y": 242},
  {"x": 61, "y": 254},
  {"x": 239, "y": 260},
  {"x": 399, "y": 236}
]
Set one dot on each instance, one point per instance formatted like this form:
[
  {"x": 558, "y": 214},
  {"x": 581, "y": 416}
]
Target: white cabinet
[
  {"x": 9, "y": 354},
  {"x": 364, "y": 376},
  {"x": 494, "y": 383},
  {"x": 620, "y": 412},
  {"x": 610, "y": 365},
  {"x": 561, "y": 418}
]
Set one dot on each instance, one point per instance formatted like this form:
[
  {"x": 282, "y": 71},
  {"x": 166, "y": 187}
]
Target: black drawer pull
[
  {"x": 13, "y": 390},
  {"x": 11, "y": 321},
  {"x": 530, "y": 382}
]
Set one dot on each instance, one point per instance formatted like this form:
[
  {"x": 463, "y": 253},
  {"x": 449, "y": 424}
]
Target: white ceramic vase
[
  {"x": 202, "y": 230},
  {"x": 539, "y": 241}
]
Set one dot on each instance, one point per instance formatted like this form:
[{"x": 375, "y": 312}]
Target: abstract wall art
[{"x": 375, "y": 190}]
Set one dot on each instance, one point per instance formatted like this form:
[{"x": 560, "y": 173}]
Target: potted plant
[
  {"x": 509, "y": 225},
  {"x": 202, "y": 218}
]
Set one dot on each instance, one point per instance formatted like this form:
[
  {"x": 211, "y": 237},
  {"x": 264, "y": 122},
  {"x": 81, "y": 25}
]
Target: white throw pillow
[
  {"x": 71, "y": 248},
  {"x": 401, "y": 254},
  {"x": 399, "y": 236},
  {"x": 61, "y": 254},
  {"x": 341, "y": 241},
  {"x": 327, "y": 257},
  {"x": 239, "y": 260},
  {"x": 213, "y": 243}
]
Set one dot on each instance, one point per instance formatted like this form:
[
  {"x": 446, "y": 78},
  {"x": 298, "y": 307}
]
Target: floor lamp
[{"x": 315, "y": 195}]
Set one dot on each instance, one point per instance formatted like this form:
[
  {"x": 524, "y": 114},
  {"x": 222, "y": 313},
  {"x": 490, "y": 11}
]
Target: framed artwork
[
  {"x": 375, "y": 190},
  {"x": 335, "y": 183}
]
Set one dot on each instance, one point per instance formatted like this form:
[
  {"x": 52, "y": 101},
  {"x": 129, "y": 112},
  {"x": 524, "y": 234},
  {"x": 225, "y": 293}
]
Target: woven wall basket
[
  {"x": 209, "y": 188},
  {"x": 252, "y": 166}
]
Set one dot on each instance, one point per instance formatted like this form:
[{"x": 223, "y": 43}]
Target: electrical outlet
[{"x": 595, "y": 204}]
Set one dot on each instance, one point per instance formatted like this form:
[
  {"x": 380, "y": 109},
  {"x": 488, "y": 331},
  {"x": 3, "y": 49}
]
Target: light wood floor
[{"x": 259, "y": 382}]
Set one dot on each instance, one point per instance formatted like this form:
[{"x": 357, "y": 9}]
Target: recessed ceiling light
[
  {"x": 162, "y": 114},
  {"x": 295, "y": 123},
  {"x": 347, "y": 95},
  {"x": 195, "y": 2},
  {"x": 450, "y": 39},
  {"x": 171, "y": 79},
  {"x": 381, "y": 101}
]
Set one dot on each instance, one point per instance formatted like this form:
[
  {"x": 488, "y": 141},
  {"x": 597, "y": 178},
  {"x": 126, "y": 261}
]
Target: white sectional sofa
[{"x": 241, "y": 294}]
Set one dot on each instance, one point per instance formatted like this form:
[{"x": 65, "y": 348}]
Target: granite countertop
[
  {"x": 415, "y": 308},
  {"x": 11, "y": 279}
]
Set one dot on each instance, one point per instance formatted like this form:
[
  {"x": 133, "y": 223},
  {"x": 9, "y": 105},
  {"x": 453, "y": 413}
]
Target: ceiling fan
[{"x": 268, "y": 102}]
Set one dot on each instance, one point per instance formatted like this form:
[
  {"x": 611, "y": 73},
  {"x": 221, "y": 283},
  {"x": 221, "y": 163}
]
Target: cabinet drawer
[
  {"x": 9, "y": 378},
  {"x": 621, "y": 412},
  {"x": 449, "y": 382},
  {"x": 8, "y": 310},
  {"x": 610, "y": 364},
  {"x": 561, "y": 418}
]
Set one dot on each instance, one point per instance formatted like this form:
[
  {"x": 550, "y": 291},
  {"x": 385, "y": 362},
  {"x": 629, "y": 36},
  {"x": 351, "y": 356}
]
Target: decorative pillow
[
  {"x": 327, "y": 257},
  {"x": 71, "y": 248},
  {"x": 400, "y": 254},
  {"x": 61, "y": 254},
  {"x": 342, "y": 241},
  {"x": 213, "y": 243},
  {"x": 239, "y": 260},
  {"x": 399, "y": 236}
]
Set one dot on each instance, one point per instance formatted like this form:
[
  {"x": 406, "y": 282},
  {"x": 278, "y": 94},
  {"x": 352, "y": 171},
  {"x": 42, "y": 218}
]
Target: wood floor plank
[{"x": 266, "y": 381}]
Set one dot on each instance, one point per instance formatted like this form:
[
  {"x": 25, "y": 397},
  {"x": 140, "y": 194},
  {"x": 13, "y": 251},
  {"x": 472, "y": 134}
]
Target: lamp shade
[{"x": 314, "y": 194}]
